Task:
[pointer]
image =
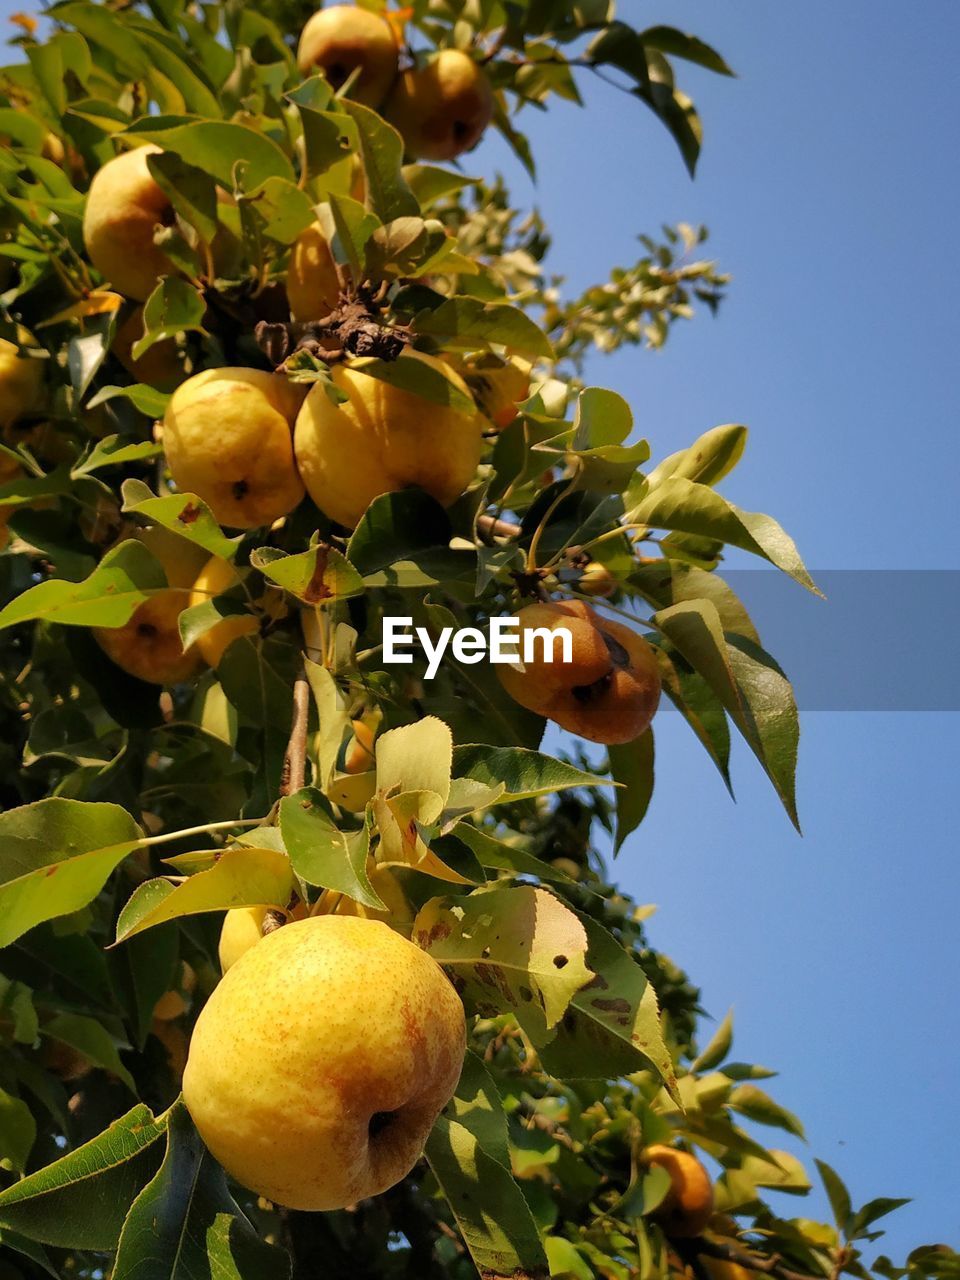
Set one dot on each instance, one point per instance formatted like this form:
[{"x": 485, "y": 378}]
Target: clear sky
[{"x": 830, "y": 184}]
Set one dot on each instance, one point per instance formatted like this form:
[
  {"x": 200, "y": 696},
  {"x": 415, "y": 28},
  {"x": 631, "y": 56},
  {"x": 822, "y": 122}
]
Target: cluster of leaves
[{"x": 132, "y": 818}]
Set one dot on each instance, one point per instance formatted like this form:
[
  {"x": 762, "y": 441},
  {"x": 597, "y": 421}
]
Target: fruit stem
[{"x": 166, "y": 836}]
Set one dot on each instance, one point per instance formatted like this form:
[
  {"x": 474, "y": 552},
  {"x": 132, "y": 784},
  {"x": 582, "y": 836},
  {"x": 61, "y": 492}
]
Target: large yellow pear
[
  {"x": 344, "y": 37},
  {"x": 21, "y": 381},
  {"x": 313, "y": 288},
  {"x": 321, "y": 1061},
  {"x": 124, "y": 208},
  {"x": 216, "y": 577},
  {"x": 148, "y": 646},
  {"x": 383, "y": 439},
  {"x": 441, "y": 109},
  {"x": 227, "y": 437}
]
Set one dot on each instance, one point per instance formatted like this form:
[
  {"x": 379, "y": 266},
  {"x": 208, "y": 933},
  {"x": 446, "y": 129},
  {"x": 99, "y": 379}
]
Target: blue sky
[{"x": 829, "y": 182}]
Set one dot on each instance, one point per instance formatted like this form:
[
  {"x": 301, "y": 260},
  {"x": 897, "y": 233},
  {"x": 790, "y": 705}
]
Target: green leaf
[
  {"x": 55, "y": 857},
  {"x": 326, "y": 134},
  {"x": 18, "y": 1132},
  {"x": 688, "y": 507},
  {"x": 332, "y": 717},
  {"x": 498, "y": 855},
  {"x": 191, "y": 191},
  {"x": 283, "y": 210},
  {"x": 185, "y": 1224},
  {"x": 419, "y": 378},
  {"x": 394, "y": 528},
  {"x": 321, "y": 853},
  {"x": 183, "y": 513},
  {"x": 671, "y": 41},
  {"x": 602, "y": 418},
  {"x": 632, "y": 765},
  {"x": 381, "y": 150},
  {"x": 256, "y": 675},
  {"x": 757, "y": 1105},
  {"x": 430, "y": 183},
  {"x": 871, "y": 1212},
  {"x": 322, "y": 573},
  {"x": 467, "y": 323},
  {"x": 175, "y": 306},
  {"x": 750, "y": 686},
  {"x": 415, "y": 757},
  {"x": 113, "y": 451},
  {"x": 710, "y": 458},
  {"x": 491, "y": 1212},
  {"x": 123, "y": 579},
  {"x": 90, "y": 1039},
  {"x": 718, "y": 1048},
  {"x": 516, "y": 950},
  {"x": 477, "y": 1105},
  {"x": 565, "y": 1262},
  {"x": 613, "y": 1024},
  {"x": 837, "y": 1194},
  {"x": 524, "y": 773},
  {"x": 241, "y": 877},
  {"x": 216, "y": 147},
  {"x": 81, "y": 1200}
]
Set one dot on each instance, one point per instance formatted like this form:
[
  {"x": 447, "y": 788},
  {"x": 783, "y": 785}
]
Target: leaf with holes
[{"x": 516, "y": 950}]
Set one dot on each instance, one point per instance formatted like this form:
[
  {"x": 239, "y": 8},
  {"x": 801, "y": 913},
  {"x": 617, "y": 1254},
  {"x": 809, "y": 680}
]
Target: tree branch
[
  {"x": 295, "y": 760},
  {"x": 771, "y": 1265}
]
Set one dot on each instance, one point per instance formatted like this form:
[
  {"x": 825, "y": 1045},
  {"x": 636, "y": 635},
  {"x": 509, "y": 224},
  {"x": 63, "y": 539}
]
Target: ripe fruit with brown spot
[
  {"x": 216, "y": 577},
  {"x": 688, "y": 1205},
  {"x": 343, "y": 38},
  {"x": 610, "y": 689},
  {"x": 313, "y": 287},
  {"x": 148, "y": 646},
  {"x": 124, "y": 208},
  {"x": 381, "y": 439},
  {"x": 321, "y": 1061},
  {"x": 441, "y": 109},
  {"x": 227, "y": 437}
]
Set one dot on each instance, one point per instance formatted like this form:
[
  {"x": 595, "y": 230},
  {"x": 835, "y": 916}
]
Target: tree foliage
[{"x": 295, "y": 768}]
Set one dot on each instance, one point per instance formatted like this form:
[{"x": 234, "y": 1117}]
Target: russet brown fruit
[
  {"x": 441, "y": 109},
  {"x": 342, "y": 38},
  {"x": 610, "y": 689}
]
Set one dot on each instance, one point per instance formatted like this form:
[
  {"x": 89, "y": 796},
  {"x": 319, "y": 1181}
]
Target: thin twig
[
  {"x": 295, "y": 760},
  {"x": 771, "y": 1265}
]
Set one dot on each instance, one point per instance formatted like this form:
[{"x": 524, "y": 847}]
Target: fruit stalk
[{"x": 295, "y": 760}]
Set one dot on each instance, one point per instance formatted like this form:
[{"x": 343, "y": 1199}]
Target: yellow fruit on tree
[
  {"x": 241, "y": 930},
  {"x": 321, "y": 1061},
  {"x": 148, "y": 645},
  {"x": 722, "y": 1269},
  {"x": 609, "y": 690},
  {"x": 313, "y": 287},
  {"x": 442, "y": 108},
  {"x": 21, "y": 382},
  {"x": 359, "y": 754},
  {"x": 597, "y": 580},
  {"x": 688, "y": 1205},
  {"x": 124, "y": 208},
  {"x": 383, "y": 439},
  {"x": 345, "y": 38},
  {"x": 499, "y": 386},
  {"x": 216, "y": 577},
  {"x": 227, "y": 437}
]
